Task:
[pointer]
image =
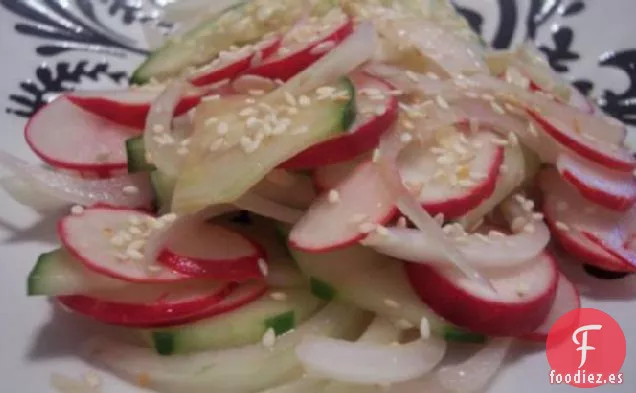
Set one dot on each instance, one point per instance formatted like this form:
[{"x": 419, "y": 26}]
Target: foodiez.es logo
[{"x": 586, "y": 348}]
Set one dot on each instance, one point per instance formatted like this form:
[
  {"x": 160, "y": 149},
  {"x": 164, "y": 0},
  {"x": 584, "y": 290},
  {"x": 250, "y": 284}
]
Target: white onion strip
[
  {"x": 267, "y": 208},
  {"x": 390, "y": 147},
  {"x": 26, "y": 195},
  {"x": 368, "y": 363},
  {"x": 346, "y": 57},
  {"x": 130, "y": 191},
  {"x": 475, "y": 373}
]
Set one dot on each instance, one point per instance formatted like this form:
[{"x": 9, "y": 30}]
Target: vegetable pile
[{"x": 320, "y": 196}]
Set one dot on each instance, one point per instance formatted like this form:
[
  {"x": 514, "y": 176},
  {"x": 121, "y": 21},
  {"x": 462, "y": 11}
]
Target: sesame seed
[
  {"x": 503, "y": 168},
  {"x": 518, "y": 223},
  {"x": 512, "y": 138},
  {"x": 300, "y": 130},
  {"x": 497, "y": 108},
  {"x": 391, "y": 303},
  {"x": 401, "y": 222},
  {"x": 403, "y": 324},
  {"x": 528, "y": 206},
  {"x": 366, "y": 227},
  {"x": 528, "y": 228},
  {"x": 494, "y": 234},
  {"x": 249, "y": 101},
  {"x": 408, "y": 124},
  {"x": 136, "y": 244},
  {"x": 406, "y": 137},
  {"x": 290, "y": 99},
  {"x": 246, "y": 112},
  {"x": 439, "y": 219},
  {"x": 441, "y": 102},
  {"x": 425, "y": 328},
  {"x": 92, "y": 379},
  {"x": 256, "y": 92},
  {"x": 537, "y": 216},
  {"x": 169, "y": 217},
  {"x": 135, "y": 255},
  {"x": 466, "y": 183},
  {"x": 222, "y": 128},
  {"x": 334, "y": 196},
  {"x": 488, "y": 97},
  {"x": 412, "y": 76},
  {"x": 500, "y": 142},
  {"x": 77, "y": 210},
  {"x": 154, "y": 268},
  {"x": 130, "y": 190},
  {"x": 116, "y": 241},
  {"x": 562, "y": 226},
  {"x": 158, "y": 128},
  {"x": 532, "y": 129},
  {"x": 269, "y": 338},
  {"x": 278, "y": 296},
  {"x": 432, "y": 75},
  {"x": 376, "y": 155},
  {"x": 382, "y": 230},
  {"x": 210, "y": 120},
  {"x": 212, "y": 97},
  {"x": 262, "y": 266},
  {"x": 134, "y": 231}
]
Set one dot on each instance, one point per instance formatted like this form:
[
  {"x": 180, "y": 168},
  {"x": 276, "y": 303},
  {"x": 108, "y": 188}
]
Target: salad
[{"x": 324, "y": 196}]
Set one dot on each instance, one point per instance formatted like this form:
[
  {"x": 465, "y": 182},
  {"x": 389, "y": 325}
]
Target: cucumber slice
[
  {"x": 243, "y": 326},
  {"x": 241, "y": 24},
  {"x": 163, "y": 187},
  {"x": 222, "y": 177},
  {"x": 136, "y": 153},
  {"x": 57, "y": 273},
  {"x": 373, "y": 282}
]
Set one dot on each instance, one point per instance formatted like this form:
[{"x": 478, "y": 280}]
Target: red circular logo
[{"x": 586, "y": 348}]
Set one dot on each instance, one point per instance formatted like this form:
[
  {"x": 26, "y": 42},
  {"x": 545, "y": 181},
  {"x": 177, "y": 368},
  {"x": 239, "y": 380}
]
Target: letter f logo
[{"x": 583, "y": 344}]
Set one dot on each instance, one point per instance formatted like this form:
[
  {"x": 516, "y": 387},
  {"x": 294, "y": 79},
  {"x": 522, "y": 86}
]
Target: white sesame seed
[
  {"x": 425, "y": 328},
  {"x": 130, "y": 190},
  {"x": 532, "y": 129},
  {"x": 503, "y": 168},
  {"x": 441, "y": 102},
  {"x": 135, "y": 255},
  {"x": 278, "y": 296},
  {"x": 154, "y": 268},
  {"x": 246, "y": 112},
  {"x": 169, "y": 217},
  {"x": 269, "y": 338},
  {"x": 432, "y": 75},
  {"x": 403, "y": 324},
  {"x": 408, "y": 124},
  {"x": 222, "y": 128},
  {"x": 334, "y": 196},
  {"x": 249, "y": 101},
  {"x": 116, "y": 241},
  {"x": 537, "y": 216},
  {"x": 92, "y": 379},
  {"x": 562, "y": 226},
  {"x": 497, "y": 108},
  {"x": 134, "y": 230},
  {"x": 210, "y": 120},
  {"x": 528, "y": 205},
  {"x": 376, "y": 155},
  {"x": 496, "y": 234},
  {"x": 212, "y": 97},
  {"x": 136, "y": 244},
  {"x": 401, "y": 222},
  {"x": 256, "y": 92},
  {"x": 290, "y": 99},
  {"x": 366, "y": 227},
  {"x": 406, "y": 137},
  {"x": 262, "y": 266},
  {"x": 391, "y": 303},
  {"x": 158, "y": 128},
  {"x": 529, "y": 228},
  {"x": 381, "y": 230},
  {"x": 77, "y": 210},
  {"x": 439, "y": 219},
  {"x": 518, "y": 223},
  {"x": 500, "y": 142},
  {"x": 512, "y": 137},
  {"x": 300, "y": 130}
]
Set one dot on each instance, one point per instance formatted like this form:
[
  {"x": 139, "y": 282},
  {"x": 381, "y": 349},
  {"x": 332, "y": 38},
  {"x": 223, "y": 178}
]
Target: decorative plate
[{"x": 51, "y": 46}]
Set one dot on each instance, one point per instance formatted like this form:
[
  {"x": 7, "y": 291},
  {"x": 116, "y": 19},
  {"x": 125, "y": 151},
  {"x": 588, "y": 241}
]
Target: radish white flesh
[
  {"x": 65, "y": 136},
  {"x": 468, "y": 176},
  {"x": 303, "y": 45},
  {"x": 524, "y": 295},
  {"x": 329, "y": 176},
  {"x": 376, "y": 112},
  {"x": 127, "y": 107},
  {"x": 238, "y": 370},
  {"x": 567, "y": 299},
  {"x": 286, "y": 188},
  {"x": 575, "y": 222},
  {"x": 600, "y": 185},
  {"x": 575, "y": 137},
  {"x": 474, "y": 374},
  {"x": 369, "y": 363},
  {"x": 144, "y": 305},
  {"x": 67, "y": 188},
  {"x": 362, "y": 201},
  {"x": 105, "y": 241},
  {"x": 200, "y": 249}
]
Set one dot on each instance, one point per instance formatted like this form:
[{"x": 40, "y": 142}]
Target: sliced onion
[
  {"x": 390, "y": 146},
  {"x": 346, "y": 57},
  {"x": 86, "y": 192},
  {"x": 184, "y": 10},
  {"x": 404, "y": 82},
  {"x": 64, "y": 384},
  {"x": 475, "y": 373},
  {"x": 267, "y": 208},
  {"x": 367, "y": 363},
  {"x": 159, "y": 124},
  {"x": 304, "y": 385},
  {"x": 152, "y": 35},
  {"x": 26, "y": 195}
]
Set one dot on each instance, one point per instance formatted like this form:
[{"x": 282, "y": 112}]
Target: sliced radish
[
  {"x": 376, "y": 111},
  {"x": 345, "y": 214},
  {"x": 466, "y": 177},
  {"x": 127, "y": 107},
  {"x": 204, "y": 250},
  {"x": 146, "y": 305},
  {"x": 305, "y": 44},
  {"x": 567, "y": 299},
  {"x": 232, "y": 63},
  {"x": 329, "y": 176},
  {"x": 112, "y": 241},
  {"x": 65, "y": 136},
  {"x": 605, "y": 187},
  {"x": 523, "y": 297},
  {"x": 577, "y": 138},
  {"x": 587, "y": 231}
]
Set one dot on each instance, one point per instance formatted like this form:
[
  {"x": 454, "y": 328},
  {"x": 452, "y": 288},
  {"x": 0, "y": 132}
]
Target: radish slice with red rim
[
  {"x": 454, "y": 176},
  {"x": 128, "y": 107},
  {"x": 204, "y": 250},
  {"x": 369, "y": 363},
  {"x": 578, "y": 139},
  {"x": 474, "y": 374},
  {"x": 232, "y": 63},
  {"x": 594, "y": 234},
  {"x": 130, "y": 191},
  {"x": 566, "y": 300},
  {"x": 148, "y": 305},
  {"x": 523, "y": 297},
  {"x": 112, "y": 241},
  {"x": 376, "y": 111},
  {"x": 345, "y": 214},
  {"x": 305, "y": 44},
  {"x": 600, "y": 185},
  {"x": 66, "y": 136}
]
